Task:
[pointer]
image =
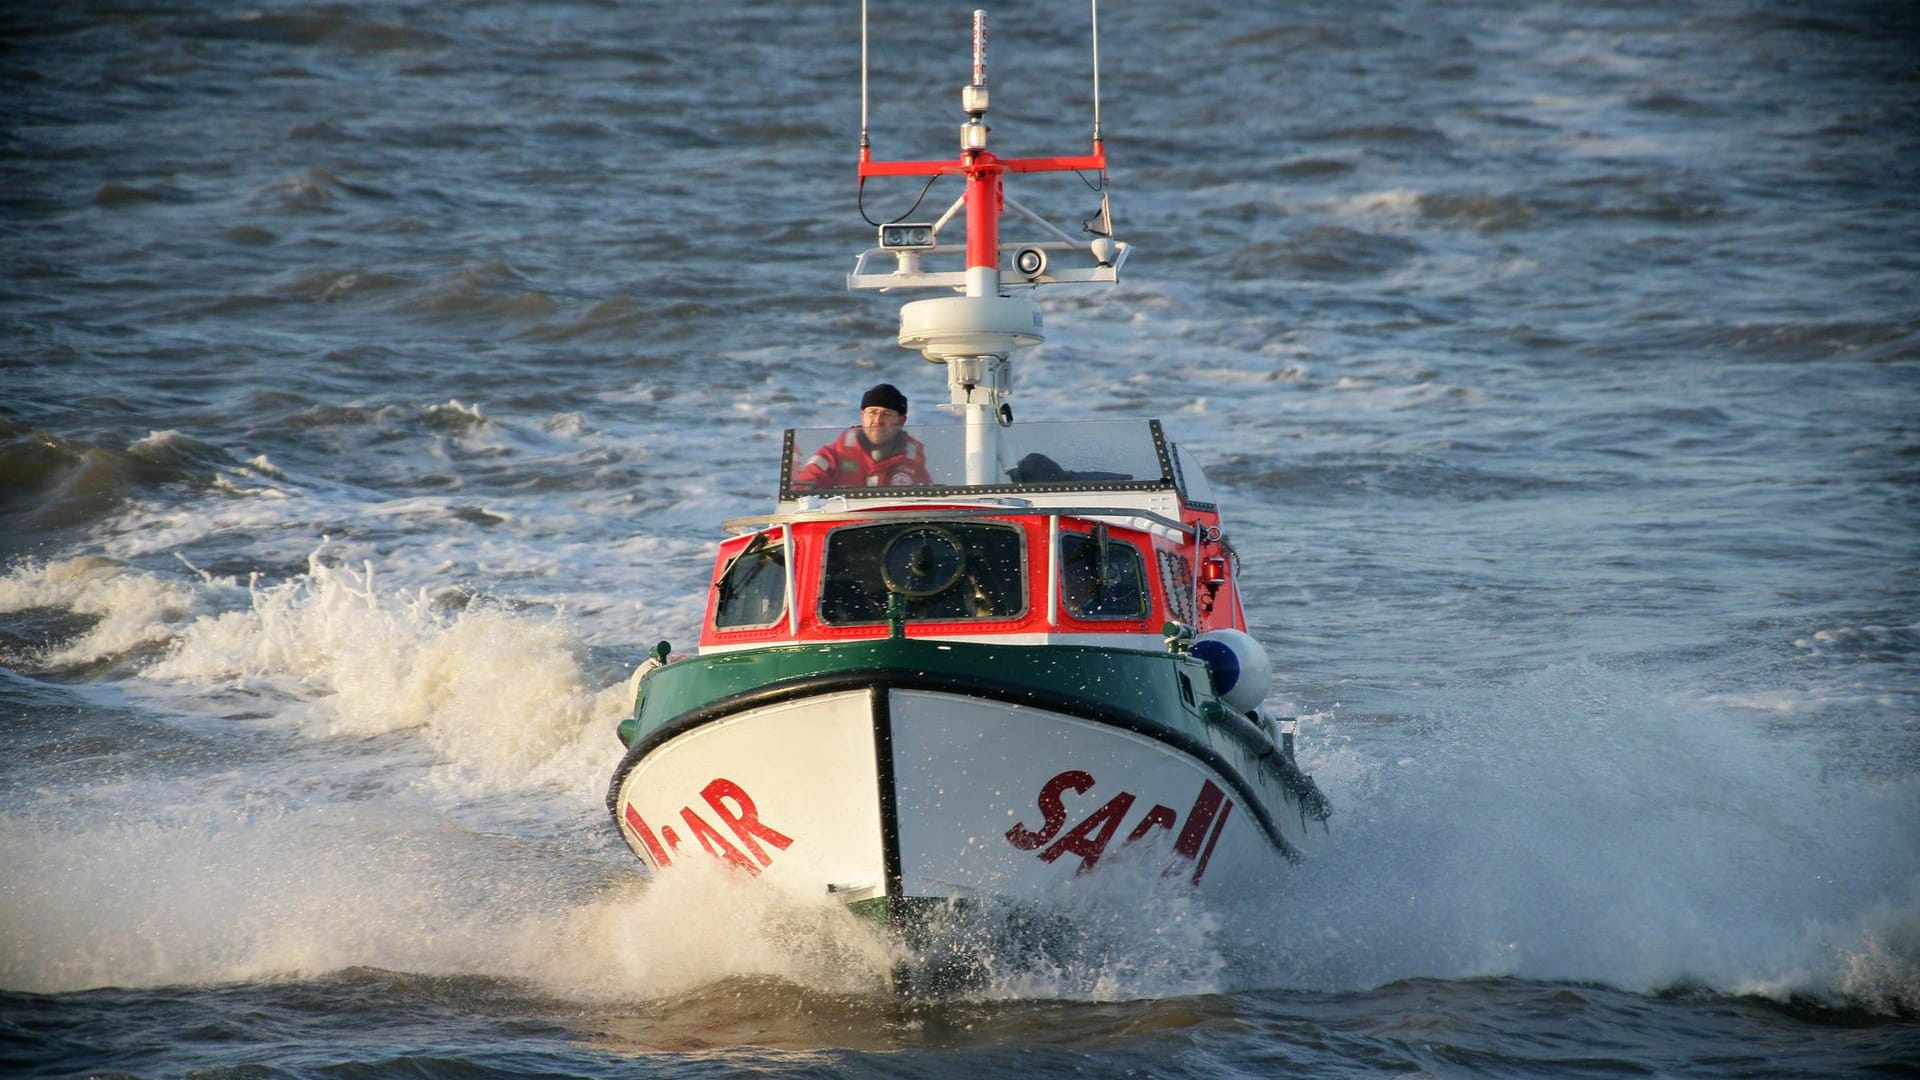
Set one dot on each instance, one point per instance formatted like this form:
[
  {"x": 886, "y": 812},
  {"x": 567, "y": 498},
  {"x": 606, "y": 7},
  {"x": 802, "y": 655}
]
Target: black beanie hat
[{"x": 887, "y": 396}]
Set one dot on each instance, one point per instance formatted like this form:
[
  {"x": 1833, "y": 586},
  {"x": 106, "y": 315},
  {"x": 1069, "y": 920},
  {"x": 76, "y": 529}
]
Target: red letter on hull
[
  {"x": 1205, "y": 805},
  {"x": 746, "y": 822},
  {"x": 1089, "y": 838},
  {"x": 735, "y": 809},
  {"x": 1052, "y": 811},
  {"x": 1160, "y": 817},
  {"x": 639, "y": 826},
  {"x": 715, "y": 844}
]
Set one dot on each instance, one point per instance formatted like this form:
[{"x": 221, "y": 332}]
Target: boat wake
[{"x": 304, "y": 789}]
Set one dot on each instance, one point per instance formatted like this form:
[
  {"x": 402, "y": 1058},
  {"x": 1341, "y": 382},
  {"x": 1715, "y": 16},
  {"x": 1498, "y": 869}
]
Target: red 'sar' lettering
[
  {"x": 1220, "y": 826},
  {"x": 1089, "y": 838},
  {"x": 1053, "y": 812},
  {"x": 652, "y": 842},
  {"x": 1205, "y": 822},
  {"x": 1205, "y": 805},
  {"x": 735, "y": 809},
  {"x": 715, "y": 844},
  {"x": 1160, "y": 817},
  {"x": 745, "y": 820}
]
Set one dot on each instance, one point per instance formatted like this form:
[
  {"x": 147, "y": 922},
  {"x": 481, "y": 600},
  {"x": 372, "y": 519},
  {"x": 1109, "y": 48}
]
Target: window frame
[
  {"x": 1063, "y": 561},
  {"x": 1022, "y": 578},
  {"x": 777, "y": 542}
]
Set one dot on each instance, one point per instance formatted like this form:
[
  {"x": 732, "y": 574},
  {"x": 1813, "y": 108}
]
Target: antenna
[
  {"x": 976, "y": 333},
  {"x": 979, "y": 47},
  {"x": 1093, "y": 9},
  {"x": 979, "y": 66},
  {"x": 863, "y": 85}
]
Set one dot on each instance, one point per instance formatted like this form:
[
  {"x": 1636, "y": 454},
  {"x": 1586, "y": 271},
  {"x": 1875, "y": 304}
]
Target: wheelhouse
[{"x": 1091, "y": 532}]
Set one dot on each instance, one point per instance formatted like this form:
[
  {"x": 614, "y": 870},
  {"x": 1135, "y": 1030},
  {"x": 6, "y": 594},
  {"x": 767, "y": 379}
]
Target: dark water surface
[{"x": 375, "y": 376}]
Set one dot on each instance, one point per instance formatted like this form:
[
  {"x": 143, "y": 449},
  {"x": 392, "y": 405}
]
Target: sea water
[{"x": 376, "y": 375}]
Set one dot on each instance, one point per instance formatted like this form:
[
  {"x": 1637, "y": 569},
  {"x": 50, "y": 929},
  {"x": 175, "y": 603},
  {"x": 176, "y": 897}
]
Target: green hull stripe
[
  {"x": 1133, "y": 690},
  {"x": 1131, "y": 681}
]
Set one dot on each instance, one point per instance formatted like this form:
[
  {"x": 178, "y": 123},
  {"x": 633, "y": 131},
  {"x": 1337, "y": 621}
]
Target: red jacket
[{"x": 848, "y": 462}]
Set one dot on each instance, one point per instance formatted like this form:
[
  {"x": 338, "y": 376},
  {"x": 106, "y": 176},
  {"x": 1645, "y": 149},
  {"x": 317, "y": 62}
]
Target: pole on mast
[
  {"x": 1093, "y": 9},
  {"x": 982, "y": 173},
  {"x": 976, "y": 333},
  {"x": 976, "y": 383},
  {"x": 864, "y": 144}
]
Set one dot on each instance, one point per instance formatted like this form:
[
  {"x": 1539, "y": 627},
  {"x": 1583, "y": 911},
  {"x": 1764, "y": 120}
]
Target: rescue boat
[{"x": 991, "y": 685}]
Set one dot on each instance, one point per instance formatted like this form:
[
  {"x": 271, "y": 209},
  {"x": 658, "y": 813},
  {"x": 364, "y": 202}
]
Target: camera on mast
[{"x": 907, "y": 236}]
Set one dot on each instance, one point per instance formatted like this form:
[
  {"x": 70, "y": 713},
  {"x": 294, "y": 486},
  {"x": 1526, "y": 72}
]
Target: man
[{"x": 876, "y": 452}]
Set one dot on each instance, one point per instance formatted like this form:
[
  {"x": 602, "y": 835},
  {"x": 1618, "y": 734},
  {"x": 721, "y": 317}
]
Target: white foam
[
  {"x": 1576, "y": 826},
  {"x": 1570, "y": 824},
  {"x": 196, "y": 895},
  {"x": 135, "y": 610},
  {"x": 1139, "y": 934},
  {"x": 696, "y": 926},
  {"x": 1399, "y": 205},
  {"x": 501, "y": 698}
]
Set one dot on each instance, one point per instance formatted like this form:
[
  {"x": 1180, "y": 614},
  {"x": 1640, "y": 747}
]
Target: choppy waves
[
  {"x": 49, "y": 483},
  {"x": 377, "y": 379}
]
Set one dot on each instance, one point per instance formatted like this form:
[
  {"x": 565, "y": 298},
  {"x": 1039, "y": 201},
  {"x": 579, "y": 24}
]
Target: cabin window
[
  {"x": 752, "y": 590},
  {"x": 1102, "y": 578},
  {"x": 1193, "y": 482},
  {"x": 943, "y": 571}
]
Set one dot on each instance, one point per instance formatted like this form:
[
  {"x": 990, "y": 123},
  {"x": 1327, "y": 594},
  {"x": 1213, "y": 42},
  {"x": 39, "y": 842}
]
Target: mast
[{"x": 976, "y": 333}]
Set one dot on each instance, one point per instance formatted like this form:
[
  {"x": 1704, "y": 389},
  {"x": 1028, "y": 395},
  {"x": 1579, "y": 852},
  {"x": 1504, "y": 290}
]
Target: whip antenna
[
  {"x": 979, "y": 47},
  {"x": 863, "y": 81},
  {"x": 1094, "y": 7}
]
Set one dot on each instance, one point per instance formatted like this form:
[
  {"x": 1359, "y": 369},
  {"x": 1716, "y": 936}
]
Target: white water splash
[
  {"x": 1574, "y": 826},
  {"x": 501, "y": 697},
  {"x": 134, "y": 610},
  {"x": 698, "y": 925},
  {"x": 193, "y": 894},
  {"x": 504, "y": 700}
]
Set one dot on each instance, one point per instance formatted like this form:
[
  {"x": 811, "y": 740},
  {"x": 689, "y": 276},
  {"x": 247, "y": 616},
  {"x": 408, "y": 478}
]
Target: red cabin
[{"x": 1100, "y": 534}]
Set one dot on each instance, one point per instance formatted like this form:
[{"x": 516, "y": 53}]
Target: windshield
[
  {"x": 943, "y": 571},
  {"x": 1079, "y": 455}
]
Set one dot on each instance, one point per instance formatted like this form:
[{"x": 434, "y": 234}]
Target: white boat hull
[{"x": 913, "y": 793}]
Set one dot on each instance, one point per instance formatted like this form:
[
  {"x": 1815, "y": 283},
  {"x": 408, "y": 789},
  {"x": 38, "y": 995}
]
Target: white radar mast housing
[{"x": 955, "y": 327}]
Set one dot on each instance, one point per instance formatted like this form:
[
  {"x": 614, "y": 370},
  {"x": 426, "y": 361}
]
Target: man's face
[{"x": 880, "y": 424}]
